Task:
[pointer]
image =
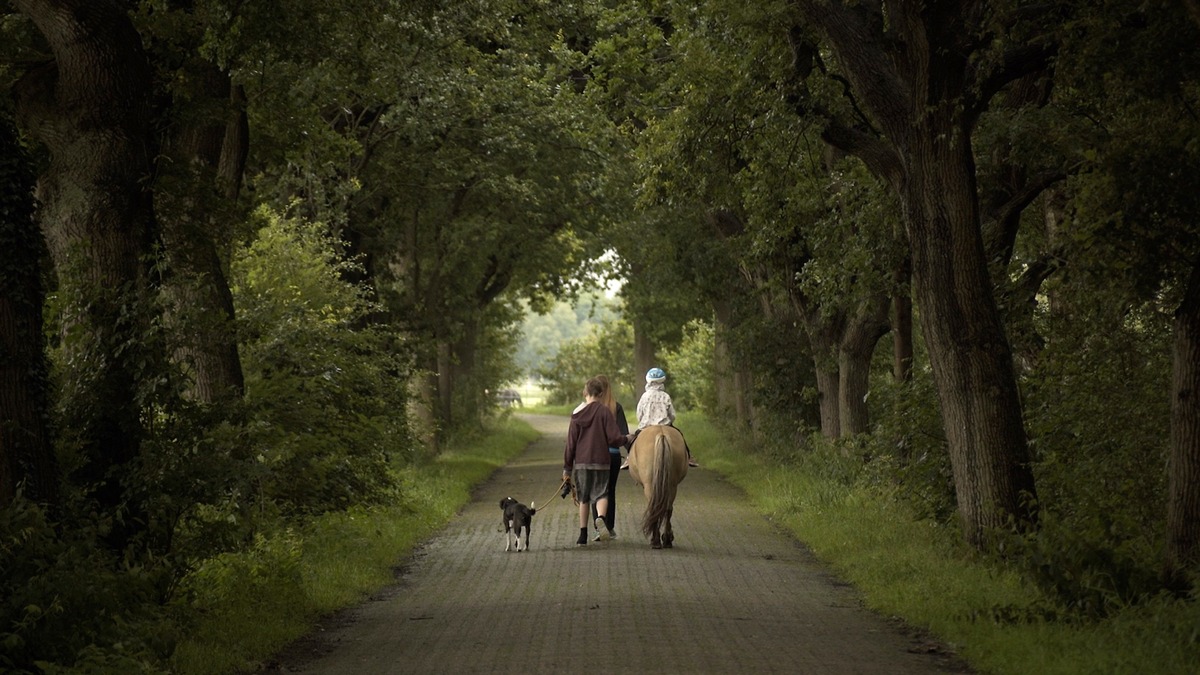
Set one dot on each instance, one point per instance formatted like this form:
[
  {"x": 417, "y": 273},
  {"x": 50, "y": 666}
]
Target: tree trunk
[
  {"x": 445, "y": 384},
  {"x": 902, "y": 327},
  {"x": 855, "y": 350},
  {"x": 723, "y": 379},
  {"x": 971, "y": 360},
  {"x": 743, "y": 384},
  {"x": 464, "y": 373},
  {"x": 645, "y": 357},
  {"x": 91, "y": 109},
  {"x": 824, "y": 333},
  {"x": 421, "y": 395},
  {"x": 733, "y": 383},
  {"x": 1183, "y": 472},
  {"x": 196, "y": 189},
  {"x": 829, "y": 381},
  {"x": 26, "y": 454}
]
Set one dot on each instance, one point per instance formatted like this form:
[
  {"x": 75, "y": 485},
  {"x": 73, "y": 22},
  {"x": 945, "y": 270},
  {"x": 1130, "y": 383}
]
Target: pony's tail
[{"x": 660, "y": 484}]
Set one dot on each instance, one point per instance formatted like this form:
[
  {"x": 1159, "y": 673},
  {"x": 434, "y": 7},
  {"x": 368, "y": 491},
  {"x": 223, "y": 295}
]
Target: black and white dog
[{"x": 517, "y": 516}]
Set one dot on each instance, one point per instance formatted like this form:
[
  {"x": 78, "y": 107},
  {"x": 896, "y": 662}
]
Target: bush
[
  {"x": 325, "y": 388},
  {"x": 908, "y": 452},
  {"x": 65, "y": 603},
  {"x": 691, "y": 370}
]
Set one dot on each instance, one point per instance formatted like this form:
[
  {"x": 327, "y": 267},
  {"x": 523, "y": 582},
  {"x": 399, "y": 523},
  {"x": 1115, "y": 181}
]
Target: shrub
[
  {"x": 325, "y": 388},
  {"x": 691, "y": 369},
  {"x": 65, "y": 602}
]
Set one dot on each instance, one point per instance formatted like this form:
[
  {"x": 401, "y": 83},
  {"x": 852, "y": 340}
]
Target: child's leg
[
  {"x": 625, "y": 464},
  {"x": 691, "y": 462}
]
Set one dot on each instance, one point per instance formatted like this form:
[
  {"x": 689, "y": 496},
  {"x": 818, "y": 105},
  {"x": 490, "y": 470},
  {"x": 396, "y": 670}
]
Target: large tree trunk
[
  {"x": 1183, "y": 473},
  {"x": 421, "y": 407},
  {"x": 26, "y": 454},
  {"x": 842, "y": 347},
  {"x": 971, "y": 359},
  {"x": 464, "y": 373},
  {"x": 91, "y": 108},
  {"x": 197, "y": 186},
  {"x": 723, "y": 380},
  {"x": 824, "y": 332},
  {"x": 445, "y": 384},
  {"x": 829, "y": 396}
]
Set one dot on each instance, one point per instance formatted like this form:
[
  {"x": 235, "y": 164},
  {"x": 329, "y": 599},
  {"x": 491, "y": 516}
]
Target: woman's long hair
[{"x": 607, "y": 397}]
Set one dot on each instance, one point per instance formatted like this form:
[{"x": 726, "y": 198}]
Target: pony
[{"x": 658, "y": 462}]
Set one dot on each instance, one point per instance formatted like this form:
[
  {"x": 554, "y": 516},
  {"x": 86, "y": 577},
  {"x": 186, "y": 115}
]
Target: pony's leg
[
  {"x": 656, "y": 538},
  {"x": 668, "y": 537}
]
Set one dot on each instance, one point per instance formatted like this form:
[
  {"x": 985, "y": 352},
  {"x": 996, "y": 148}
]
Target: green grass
[
  {"x": 920, "y": 572},
  {"x": 545, "y": 409},
  {"x": 565, "y": 411},
  {"x": 245, "y": 607}
]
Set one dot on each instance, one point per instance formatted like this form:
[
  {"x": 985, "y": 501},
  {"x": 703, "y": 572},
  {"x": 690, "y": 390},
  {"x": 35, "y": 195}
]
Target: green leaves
[{"x": 326, "y": 390}]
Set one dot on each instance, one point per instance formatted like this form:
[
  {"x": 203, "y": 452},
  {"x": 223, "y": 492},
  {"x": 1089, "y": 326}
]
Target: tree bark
[
  {"x": 970, "y": 356},
  {"x": 823, "y": 337},
  {"x": 91, "y": 109},
  {"x": 855, "y": 350},
  {"x": 464, "y": 373},
  {"x": 196, "y": 188},
  {"x": 733, "y": 383},
  {"x": 1183, "y": 469},
  {"x": 723, "y": 379},
  {"x": 644, "y": 357},
  {"x": 26, "y": 454},
  {"x": 829, "y": 396},
  {"x": 902, "y": 326},
  {"x": 445, "y": 384}
]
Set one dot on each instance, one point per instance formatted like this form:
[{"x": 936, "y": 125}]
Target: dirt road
[{"x": 735, "y": 595}]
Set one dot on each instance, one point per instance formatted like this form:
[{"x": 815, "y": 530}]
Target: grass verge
[
  {"x": 920, "y": 572},
  {"x": 245, "y": 607}
]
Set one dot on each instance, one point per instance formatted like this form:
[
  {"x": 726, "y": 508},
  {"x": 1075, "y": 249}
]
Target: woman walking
[{"x": 610, "y": 402}]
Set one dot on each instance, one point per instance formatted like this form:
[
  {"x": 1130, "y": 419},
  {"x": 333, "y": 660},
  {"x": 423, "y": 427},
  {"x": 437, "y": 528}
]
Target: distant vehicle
[{"x": 508, "y": 398}]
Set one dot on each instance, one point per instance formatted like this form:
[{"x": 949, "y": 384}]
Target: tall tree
[
  {"x": 919, "y": 78},
  {"x": 91, "y": 109},
  {"x": 804, "y": 234}
]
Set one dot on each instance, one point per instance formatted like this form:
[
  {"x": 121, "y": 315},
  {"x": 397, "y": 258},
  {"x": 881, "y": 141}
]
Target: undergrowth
[{"x": 244, "y": 607}]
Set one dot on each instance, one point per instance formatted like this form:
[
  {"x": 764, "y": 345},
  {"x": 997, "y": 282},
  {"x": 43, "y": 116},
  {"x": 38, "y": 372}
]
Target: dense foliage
[{"x": 286, "y": 250}]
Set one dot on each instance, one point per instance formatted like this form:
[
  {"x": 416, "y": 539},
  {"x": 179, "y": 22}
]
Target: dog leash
[{"x": 560, "y": 492}]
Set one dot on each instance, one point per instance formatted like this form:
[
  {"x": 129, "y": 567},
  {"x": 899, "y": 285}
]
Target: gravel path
[{"x": 735, "y": 595}]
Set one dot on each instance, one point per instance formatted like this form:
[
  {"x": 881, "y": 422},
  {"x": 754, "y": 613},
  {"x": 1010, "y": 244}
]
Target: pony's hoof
[
  {"x": 653, "y": 545},
  {"x": 667, "y": 544}
]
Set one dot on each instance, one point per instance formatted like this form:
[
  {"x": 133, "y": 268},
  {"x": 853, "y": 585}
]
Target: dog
[{"x": 517, "y": 517}]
